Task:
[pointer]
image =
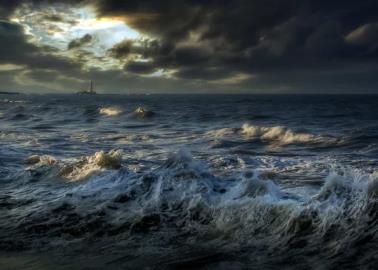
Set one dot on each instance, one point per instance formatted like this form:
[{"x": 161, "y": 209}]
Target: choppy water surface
[{"x": 188, "y": 182}]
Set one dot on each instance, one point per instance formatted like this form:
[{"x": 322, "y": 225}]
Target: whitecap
[
  {"x": 223, "y": 132},
  {"x": 76, "y": 169},
  {"x": 278, "y": 135},
  {"x": 282, "y": 135},
  {"x": 110, "y": 111}
]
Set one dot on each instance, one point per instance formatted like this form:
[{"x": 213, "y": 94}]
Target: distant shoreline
[
  {"x": 9, "y": 93},
  {"x": 194, "y": 94},
  {"x": 202, "y": 94}
]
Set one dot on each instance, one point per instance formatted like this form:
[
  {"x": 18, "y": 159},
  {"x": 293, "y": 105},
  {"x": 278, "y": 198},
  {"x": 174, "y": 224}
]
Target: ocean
[{"x": 188, "y": 181}]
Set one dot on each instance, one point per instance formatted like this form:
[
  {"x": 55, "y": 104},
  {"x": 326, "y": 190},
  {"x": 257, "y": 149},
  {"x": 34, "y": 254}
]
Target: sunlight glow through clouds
[{"x": 71, "y": 24}]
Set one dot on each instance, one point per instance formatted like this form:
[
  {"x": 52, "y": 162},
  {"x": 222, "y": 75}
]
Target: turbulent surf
[{"x": 200, "y": 185}]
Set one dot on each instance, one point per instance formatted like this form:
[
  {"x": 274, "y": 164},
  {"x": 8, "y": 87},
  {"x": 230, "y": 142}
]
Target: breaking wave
[
  {"x": 182, "y": 195},
  {"x": 223, "y": 132},
  {"x": 110, "y": 111},
  {"x": 282, "y": 135},
  {"x": 296, "y": 189},
  {"x": 278, "y": 135},
  {"x": 75, "y": 169}
]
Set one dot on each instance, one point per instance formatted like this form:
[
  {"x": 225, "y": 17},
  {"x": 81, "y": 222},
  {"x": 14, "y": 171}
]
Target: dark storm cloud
[
  {"x": 79, "y": 42},
  {"x": 140, "y": 67},
  {"x": 280, "y": 44},
  {"x": 16, "y": 46},
  {"x": 256, "y": 37},
  {"x": 199, "y": 73},
  {"x": 34, "y": 60},
  {"x": 189, "y": 56},
  {"x": 121, "y": 50},
  {"x": 162, "y": 18},
  {"x": 53, "y": 18},
  {"x": 7, "y": 7},
  {"x": 146, "y": 48},
  {"x": 20, "y": 51}
]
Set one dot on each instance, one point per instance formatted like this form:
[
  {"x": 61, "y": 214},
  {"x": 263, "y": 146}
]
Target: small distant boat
[{"x": 88, "y": 92}]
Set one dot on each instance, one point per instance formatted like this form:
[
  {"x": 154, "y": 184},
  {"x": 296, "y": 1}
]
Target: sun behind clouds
[{"x": 76, "y": 33}]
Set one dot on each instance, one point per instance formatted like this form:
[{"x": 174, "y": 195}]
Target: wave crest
[
  {"x": 349, "y": 184},
  {"x": 77, "y": 169},
  {"x": 278, "y": 135},
  {"x": 223, "y": 132},
  {"x": 283, "y": 135},
  {"x": 183, "y": 195},
  {"x": 182, "y": 164},
  {"x": 110, "y": 111}
]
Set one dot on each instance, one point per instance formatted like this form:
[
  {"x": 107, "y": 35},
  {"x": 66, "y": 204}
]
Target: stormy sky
[{"x": 190, "y": 46}]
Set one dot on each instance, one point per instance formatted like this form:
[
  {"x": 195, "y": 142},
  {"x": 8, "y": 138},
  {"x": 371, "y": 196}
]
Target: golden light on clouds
[
  {"x": 58, "y": 26},
  {"x": 10, "y": 67},
  {"x": 235, "y": 79}
]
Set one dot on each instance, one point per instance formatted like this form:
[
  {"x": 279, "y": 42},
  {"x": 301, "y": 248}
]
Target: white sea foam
[
  {"x": 183, "y": 193},
  {"x": 223, "y": 132},
  {"x": 349, "y": 183},
  {"x": 282, "y": 135},
  {"x": 278, "y": 135},
  {"x": 77, "y": 169},
  {"x": 110, "y": 111},
  {"x": 40, "y": 160},
  {"x": 251, "y": 185}
]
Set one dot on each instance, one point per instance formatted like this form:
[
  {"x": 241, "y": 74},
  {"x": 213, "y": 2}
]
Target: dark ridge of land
[{"x": 9, "y": 93}]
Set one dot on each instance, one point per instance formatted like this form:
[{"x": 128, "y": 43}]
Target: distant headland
[{"x": 8, "y": 93}]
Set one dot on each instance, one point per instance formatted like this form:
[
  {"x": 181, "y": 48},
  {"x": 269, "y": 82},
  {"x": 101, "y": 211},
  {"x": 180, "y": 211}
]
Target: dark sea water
[{"x": 188, "y": 182}]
